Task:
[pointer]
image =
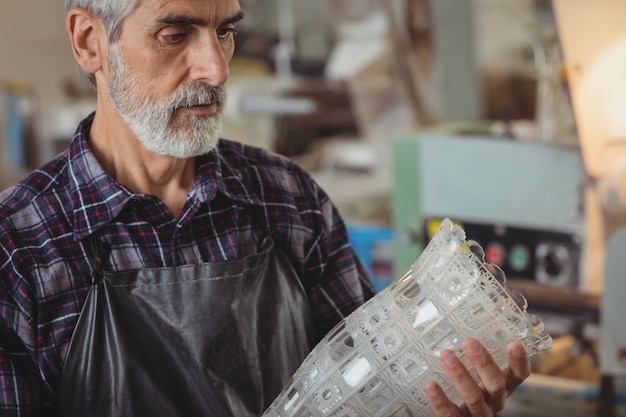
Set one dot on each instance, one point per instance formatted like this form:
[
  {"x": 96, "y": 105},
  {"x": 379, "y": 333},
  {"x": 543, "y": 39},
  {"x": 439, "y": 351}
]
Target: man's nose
[{"x": 209, "y": 60}]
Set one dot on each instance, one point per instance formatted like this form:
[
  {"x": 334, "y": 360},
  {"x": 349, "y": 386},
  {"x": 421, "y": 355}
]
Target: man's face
[{"x": 168, "y": 72}]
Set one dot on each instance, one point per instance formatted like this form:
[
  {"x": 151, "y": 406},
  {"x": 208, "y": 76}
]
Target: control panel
[{"x": 548, "y": 257}]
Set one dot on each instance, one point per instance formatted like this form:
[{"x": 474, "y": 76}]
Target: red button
[{"x": 494, "y": 253}]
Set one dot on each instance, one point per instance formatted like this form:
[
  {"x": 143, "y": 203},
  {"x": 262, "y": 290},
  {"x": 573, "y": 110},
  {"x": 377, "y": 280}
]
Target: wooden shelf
[{"x": 542, "y": 296}]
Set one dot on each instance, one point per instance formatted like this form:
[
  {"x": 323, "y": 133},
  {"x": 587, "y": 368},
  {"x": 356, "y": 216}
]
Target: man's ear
[{"x": 87, "y": 37}]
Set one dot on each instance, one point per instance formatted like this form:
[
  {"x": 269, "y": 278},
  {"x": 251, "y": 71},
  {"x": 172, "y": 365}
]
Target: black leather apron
[{"x": 215, "y": 339}]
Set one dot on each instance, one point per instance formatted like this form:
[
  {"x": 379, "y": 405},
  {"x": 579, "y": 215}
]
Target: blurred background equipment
[
  {"x": 594, "y": 45},
  {"x": 18, "y": 141},
  {"x": 521, "y": 201}
]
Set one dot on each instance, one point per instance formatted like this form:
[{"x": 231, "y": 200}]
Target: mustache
[{"x": 197, "y": 93}]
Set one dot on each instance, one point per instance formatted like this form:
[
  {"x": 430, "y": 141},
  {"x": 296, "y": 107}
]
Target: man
[{"x": 154, "y": 270}]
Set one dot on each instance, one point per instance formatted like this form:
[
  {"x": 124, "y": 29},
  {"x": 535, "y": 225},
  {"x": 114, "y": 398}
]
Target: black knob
[{"x": 553, "y": 264}]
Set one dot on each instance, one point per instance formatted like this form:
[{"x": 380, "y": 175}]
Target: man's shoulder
[
  {"x": 250, "y": 155},
  {"x": 44, "y": 187},
  {"x": 262, "y": 162},
  {"x": 266, "y": 173}
]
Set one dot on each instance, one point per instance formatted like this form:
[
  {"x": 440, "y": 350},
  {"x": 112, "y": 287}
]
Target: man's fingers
[
  {"x": 492, "y": 377},
  {"x": 486, "y": 396},
  {"x": 519, "y": 366},
  {"x": 440, "y": 402},
  {"x": 470, "y": 391}
]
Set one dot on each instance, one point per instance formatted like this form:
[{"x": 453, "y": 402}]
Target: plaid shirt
[{"x": 51, "y": 222}]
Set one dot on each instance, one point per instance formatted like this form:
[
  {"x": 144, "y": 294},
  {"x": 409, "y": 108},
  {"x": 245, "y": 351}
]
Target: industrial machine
[{"x": 522, "y": 201}]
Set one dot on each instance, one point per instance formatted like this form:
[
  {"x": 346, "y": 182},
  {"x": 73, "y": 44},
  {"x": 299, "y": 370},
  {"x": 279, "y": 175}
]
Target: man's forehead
[{"x": 207, "y": 7}]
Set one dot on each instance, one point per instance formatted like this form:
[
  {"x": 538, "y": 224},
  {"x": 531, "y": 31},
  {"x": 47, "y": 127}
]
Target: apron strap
[{"x": 101, "y": 252}]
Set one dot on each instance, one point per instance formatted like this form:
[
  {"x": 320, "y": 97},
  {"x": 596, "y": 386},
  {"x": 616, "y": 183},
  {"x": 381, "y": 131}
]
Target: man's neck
[{"x": 129, "y": 163}]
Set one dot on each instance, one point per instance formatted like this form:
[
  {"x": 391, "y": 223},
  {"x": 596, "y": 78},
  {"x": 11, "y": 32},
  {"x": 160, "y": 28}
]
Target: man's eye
[
  {"x": 226, "y": 32},
  {"x": 175, "y": 37}
]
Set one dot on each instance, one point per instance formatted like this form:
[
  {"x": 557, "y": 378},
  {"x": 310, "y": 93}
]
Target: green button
[{"x": 519, "y": 257}]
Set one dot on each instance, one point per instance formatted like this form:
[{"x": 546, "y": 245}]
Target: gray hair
[{"x": 111, "y": 13}]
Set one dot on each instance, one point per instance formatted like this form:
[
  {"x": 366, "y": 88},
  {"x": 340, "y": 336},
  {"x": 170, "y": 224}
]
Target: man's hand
[{"x": 497, "y": 384}]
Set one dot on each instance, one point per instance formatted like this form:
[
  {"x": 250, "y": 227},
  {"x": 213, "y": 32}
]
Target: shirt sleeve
[
  {"x": 19, "y": 380},
  {"x": 340, "y": 282},
  {"x": 21, "y": 386}
]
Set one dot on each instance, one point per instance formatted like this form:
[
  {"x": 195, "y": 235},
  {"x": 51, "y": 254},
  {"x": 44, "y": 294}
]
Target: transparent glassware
[{"x": 377, "y": 361}]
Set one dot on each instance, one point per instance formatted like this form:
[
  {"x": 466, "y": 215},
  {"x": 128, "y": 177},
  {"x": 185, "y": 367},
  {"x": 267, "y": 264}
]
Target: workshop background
[{"x": 406, "y": 112}]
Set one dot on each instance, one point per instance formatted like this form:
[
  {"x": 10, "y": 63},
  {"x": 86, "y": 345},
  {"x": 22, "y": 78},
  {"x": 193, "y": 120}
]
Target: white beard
[{"x": 153, "y": 122}]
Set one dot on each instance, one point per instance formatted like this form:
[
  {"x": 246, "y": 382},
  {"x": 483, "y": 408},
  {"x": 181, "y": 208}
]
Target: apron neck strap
[{"x": 100, "y": 252}]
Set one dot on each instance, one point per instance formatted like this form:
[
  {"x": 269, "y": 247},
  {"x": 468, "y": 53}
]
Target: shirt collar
[{"x": 217, "y": 173}]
